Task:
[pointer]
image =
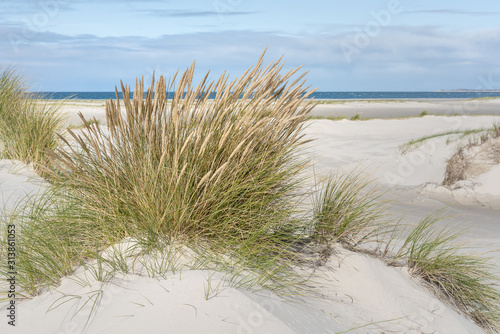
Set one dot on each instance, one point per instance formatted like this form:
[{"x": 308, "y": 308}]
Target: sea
[{"x": 316, "y": 95}]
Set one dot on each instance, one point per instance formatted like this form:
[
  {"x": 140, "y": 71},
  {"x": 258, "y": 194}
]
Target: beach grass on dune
[
  {"x": 460, "y": 276},
  {"x": 459, "y": 165},
  {"x": 52, "y": 237},
  {"x": 222, "y": 174},
  {"x": 28, "y": 125},
  {"x": 348, "y": 209}
]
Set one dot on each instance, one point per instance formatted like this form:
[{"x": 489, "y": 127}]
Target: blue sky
[{"x": 363, "y": 45}]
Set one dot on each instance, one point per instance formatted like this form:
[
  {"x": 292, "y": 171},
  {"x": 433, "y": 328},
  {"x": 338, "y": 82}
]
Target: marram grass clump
[
  {"x": 221, "y": 172},
  {"x": 28, "y": 125}
]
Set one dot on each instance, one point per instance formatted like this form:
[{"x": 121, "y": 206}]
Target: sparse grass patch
[
  {"x": 484, "y": 98},
  {"x": 405, "y": 148},
  {"x": 462, "y": 165},
  {"x": 331, "y": 118},
  {"x": 496, "y": 130},
  {"x": 318, "y": 101},
  {"x": 461, "y": 277},
  {"x": 356, "y": 117},
  {"x": 456, "y": 168}
]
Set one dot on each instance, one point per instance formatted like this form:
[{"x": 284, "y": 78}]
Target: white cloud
[
  {"x": 451, "y": 11},
  {"x": 192, "y": 13},
  {"x": 399, "y": 58}
]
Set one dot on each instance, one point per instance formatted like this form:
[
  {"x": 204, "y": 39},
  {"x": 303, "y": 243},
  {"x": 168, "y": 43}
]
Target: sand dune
[{"x": 356, "y": 292}]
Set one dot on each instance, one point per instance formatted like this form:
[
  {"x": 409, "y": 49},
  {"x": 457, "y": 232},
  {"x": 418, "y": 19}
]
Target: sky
[{"x": 362, "y": 45}]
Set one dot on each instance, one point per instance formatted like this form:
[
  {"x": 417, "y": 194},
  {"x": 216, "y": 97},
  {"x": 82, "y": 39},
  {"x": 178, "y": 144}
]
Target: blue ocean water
[{"x": 316, "y": 95}]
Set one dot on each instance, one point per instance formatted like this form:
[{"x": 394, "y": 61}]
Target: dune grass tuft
[
  {"x": 28, "y": 125},
  {"x": 461, "y": 277},
  {"x": 348, "y": 209}
]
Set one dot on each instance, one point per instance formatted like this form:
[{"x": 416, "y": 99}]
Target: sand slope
[
  {"x": 352, "y": 292},
  {"x": 374, "y": 144}
]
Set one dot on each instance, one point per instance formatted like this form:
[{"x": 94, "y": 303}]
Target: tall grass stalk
[{"x": 28, "y": 125}]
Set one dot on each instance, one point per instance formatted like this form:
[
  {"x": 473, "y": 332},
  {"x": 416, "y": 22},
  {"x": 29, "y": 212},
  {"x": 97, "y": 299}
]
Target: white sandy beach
[
  {"x": 358, "y": 294},
  {"x": 405, "y": 108}
]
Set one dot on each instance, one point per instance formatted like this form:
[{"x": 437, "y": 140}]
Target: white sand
[
  {"x": 414, "y": 180},
  {"x": 16, "y": 182},
  {"x": 356, "y": 290},
  {"x": 489, "y": 182},
  {"x": 345, "y": 144},
  {"x": 403, "y": 108}
]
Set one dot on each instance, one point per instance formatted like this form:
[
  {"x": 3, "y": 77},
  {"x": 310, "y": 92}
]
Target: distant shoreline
[
  {"x": 469, "y": 90},
  {"x": 446, "y": 95}
]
